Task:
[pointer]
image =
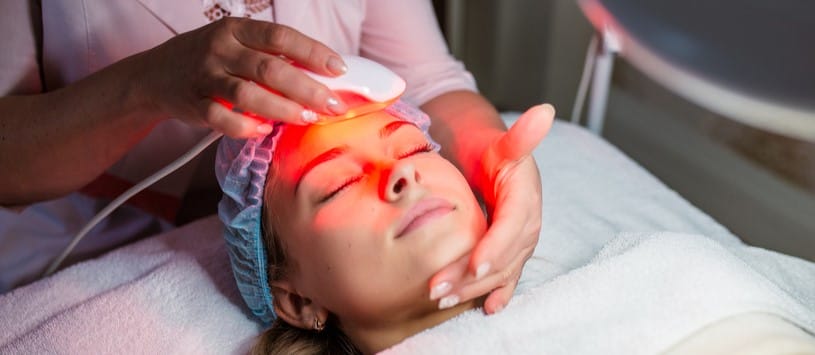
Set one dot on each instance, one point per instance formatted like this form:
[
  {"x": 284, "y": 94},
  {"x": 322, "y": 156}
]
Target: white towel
[
  {"x": 174, "y": 293},
  {"x": 171, "y": 294},
  {"x": 640, "y": 295}
]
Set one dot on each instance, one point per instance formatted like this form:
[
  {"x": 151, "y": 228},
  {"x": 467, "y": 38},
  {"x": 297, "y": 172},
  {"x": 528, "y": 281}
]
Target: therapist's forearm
[
  {"x": 54, "y": 143},
  {"x": 464, "y": 123}
]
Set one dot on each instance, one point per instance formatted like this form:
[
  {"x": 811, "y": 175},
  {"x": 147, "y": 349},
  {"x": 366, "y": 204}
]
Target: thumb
[{"x": 530, "y": 129}]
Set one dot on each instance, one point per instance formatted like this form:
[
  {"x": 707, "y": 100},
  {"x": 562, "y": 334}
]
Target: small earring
[{"x": 318, "y": 326}]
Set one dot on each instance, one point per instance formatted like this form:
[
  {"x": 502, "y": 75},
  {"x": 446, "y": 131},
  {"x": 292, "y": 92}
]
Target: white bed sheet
[{"x": 174, "y": 293}]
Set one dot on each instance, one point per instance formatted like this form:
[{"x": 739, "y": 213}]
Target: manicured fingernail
[
  {"x": 336, "y": 106},
  {"x": 265, "y": 128},
  {"x": 498, "y": 308},
  {"x": 308, "y": 116},
  {"x": 440, "y": 289},
  {"x": 448, "y": 301},
  {"x": 482, "y": 270},
  {"x": 337, "y": 66}
]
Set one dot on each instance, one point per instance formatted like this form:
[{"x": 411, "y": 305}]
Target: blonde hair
[{"x": 283, "y": 338}]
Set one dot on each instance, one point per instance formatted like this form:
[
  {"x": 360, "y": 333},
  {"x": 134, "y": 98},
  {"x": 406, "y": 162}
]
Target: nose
[{"x": 402, "y": 178}]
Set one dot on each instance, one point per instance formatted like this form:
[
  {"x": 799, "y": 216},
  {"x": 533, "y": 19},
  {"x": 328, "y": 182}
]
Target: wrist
[{"x": 139, "y": 93}]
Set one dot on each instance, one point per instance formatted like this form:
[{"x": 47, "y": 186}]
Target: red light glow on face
[{"x": 361, "y": 182}]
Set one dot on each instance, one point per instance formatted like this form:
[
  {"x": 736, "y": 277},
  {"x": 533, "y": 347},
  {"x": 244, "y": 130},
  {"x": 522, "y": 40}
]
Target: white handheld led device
[
  {"x": 366, "y": 86},
  {"x": 365, "y": 77}
]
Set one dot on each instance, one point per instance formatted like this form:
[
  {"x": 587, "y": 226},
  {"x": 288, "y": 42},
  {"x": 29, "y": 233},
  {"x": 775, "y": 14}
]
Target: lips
[{"x": 422, "y": 212}]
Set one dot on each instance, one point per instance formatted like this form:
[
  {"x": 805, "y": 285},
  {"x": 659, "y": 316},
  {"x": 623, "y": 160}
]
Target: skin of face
[{"x": 339, "y": 221}]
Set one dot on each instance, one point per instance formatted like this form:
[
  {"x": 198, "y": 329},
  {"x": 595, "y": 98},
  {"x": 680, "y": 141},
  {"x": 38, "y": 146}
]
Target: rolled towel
[{"x": 641, "y": 294}]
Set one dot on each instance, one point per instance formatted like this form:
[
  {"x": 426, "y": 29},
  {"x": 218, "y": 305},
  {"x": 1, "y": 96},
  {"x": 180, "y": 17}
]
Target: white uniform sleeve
[
  {"x": 404, "y": 36},
  {"x": 19, "y": 69}
]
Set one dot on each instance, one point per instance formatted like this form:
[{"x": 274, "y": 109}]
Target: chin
[
  {"x": 450, "y": 247},
  {"x": 447, "y": 240}
]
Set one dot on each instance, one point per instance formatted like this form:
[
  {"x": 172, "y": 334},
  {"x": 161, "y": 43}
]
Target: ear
[{"x": 295, "y": 309}]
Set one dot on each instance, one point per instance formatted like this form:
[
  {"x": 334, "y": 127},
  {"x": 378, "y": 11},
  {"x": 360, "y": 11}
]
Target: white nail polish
[
  {"x": 335, "y": 106},
  {"x": 308, "y": 116},
  {"x": 482, "y": 270},
  {"x": 440, "y": 289},
  {"x": 448, "y": 301}
]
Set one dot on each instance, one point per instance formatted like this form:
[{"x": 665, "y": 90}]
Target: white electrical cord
[
  {"x": 173, "y": 166},
  {"x": 583, "y": 88}
]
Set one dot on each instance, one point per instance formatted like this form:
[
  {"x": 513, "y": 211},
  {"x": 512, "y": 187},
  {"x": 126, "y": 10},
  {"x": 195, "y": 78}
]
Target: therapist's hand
[
  {"x": 512, "y": 189},
  {"x": 223, "y": 75}
]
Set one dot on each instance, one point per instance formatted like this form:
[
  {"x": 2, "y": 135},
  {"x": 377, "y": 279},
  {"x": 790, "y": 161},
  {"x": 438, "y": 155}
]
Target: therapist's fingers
[
  {"x": 280, "y": 39},
  {"x": 499, "y": 298},
  {"x": 442, "y": 283},
  {"x": 232, "y": 123},
  {"x": 244, "y": 96},
  {"x": 455, "y": 285},
  {"x": 498, "y": 287},
  {"x": 279, "y": 75}
]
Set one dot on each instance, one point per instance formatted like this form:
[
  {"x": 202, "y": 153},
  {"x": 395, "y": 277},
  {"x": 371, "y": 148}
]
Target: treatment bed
[{"x": 624, "y": 265}]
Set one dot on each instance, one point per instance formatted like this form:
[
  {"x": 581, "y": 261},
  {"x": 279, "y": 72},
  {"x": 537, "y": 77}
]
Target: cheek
[
  {"x": 444, "y": 179},
  {"x": 351, "y": 269},
  {"x": 461, "y": 232}
]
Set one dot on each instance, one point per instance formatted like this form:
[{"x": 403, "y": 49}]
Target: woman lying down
[{"x": 334, "y": 232}]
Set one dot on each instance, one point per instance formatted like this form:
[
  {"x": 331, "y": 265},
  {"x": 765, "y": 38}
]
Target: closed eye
[
  {"x": 350, "y": 181},
  {"x": 422, "y": 148}
]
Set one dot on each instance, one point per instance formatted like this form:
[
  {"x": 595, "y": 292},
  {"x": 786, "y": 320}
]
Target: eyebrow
[
  {"x": 336, "y": 152},
  {"x": 389, "y": 128}
]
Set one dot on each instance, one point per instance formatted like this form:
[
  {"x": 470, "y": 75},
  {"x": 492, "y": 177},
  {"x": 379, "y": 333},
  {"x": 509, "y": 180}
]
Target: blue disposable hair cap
[{"x": 241, "y": 167}]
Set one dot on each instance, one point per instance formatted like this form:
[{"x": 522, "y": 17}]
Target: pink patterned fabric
[{"x": 216, "y": 9}]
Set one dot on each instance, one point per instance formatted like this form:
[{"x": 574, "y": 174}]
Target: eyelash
[
  {"x": 423, "y": 148},
  {"x": 345, "y": 184}
]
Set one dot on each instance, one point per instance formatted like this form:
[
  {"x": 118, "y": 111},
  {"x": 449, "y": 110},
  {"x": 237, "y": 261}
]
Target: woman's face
[{"x": 367, "y": 214}]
